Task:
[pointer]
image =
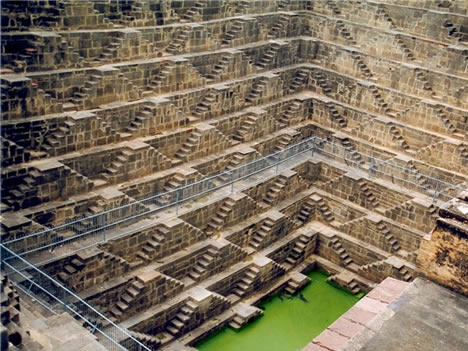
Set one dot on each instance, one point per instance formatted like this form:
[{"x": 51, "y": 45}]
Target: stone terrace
[{"x": 106, "y": 103}]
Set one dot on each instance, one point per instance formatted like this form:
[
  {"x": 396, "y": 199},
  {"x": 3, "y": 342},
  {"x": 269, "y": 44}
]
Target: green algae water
[{"x": 287, "y": 324}]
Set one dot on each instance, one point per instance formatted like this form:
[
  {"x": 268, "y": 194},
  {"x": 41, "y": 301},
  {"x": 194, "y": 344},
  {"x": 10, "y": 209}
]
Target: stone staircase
[
  {"x": 284, "y": 141},
  {"x": 389, "y": 238},
  {"x": 344, "y": 32},
  {"x": 279, "y": 27},
  {"x": 219, "y": 219},
  {"x": 297, "y": 251},
  {"x": 177, "y": 45},
  {"x": 336, "y": 245},
  {"x": 89, "y": 89},
  {"x": 336, "y": 116},
  {"x": 325, "y": 210},
  {"x": 421, "y": 179},
  {"x": 246, "y": 284},
  {"x": 446, "y": 122},
  {"x": 255, "y": 94},
  {"x": 366, "y": 72},
  {"x": 398, "y": 138},
  {"x": 195, "y": 12},
  {"x": 407, "y": 53},
  {"x": 355, "y": 155},
  {"x": 269, "y": 56},
  {"x": 242, "y": 7},
  {"x": 203, "y": 264},
  {"x": 141, "y": 119},
  {"x": 162, "y": 77},
  {"x": 205, "y": 105},
  {"x": 247, "y": 128},
  {"x": 382, "y": 13},
  {"x": 233, "y": 33},
  {"x": 111, "y": 52},
  {"x": 75, "y": 265},
  {"x": 152, "y": 247},
  {"x": 220, "y": 67},
  {"x": 426, "y": 85},
  {"x": 293, "y": 109},
  {"x": 454, "y": 33},
  {"x": 307, "y": 210},
  {"x": 405, "y": 273},
  {"x": 260, "y": 235},
  {"x": 334, "y": 7},
  {"x": 189, "y": 146},
  {"x": 182, "y": 318},
  {"x": 236, "y": 160},
  {"x": 299, "y": 80},
  {"x": 117, "y": 167},
  {"x": 322, "y": 82},
  {"x": 176, "y": 182},
  {"x": 151, "y": 341},
  {"x": 125, "y": 301},
  {"x": 283, "y": 4},
  {"x": 381, "y": 102},
  {"x": 274, "y": 191},
  {"x": 366, "y": 190},
  {"x": 57, "y": 138}
]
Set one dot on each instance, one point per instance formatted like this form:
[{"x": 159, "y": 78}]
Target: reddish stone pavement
[{"x": 335, "y": 337}]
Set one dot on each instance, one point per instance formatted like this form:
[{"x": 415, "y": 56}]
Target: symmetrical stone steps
[
  {"x": 152, "y": 247},
  {"x": 298, "y": 82},
  {"x": 203, "y": 264},
  {"x": 398, "y": 138},
  {"x": 233, "y": 33},
  {"x": 292, "y": 110},
  {"x": 247, "y": 127},
  {"x": 221, "y": 216},
  {"x": 178, "y": 44},
  {"x": 162, "y": 77},
  {"x": 269, "y": 56},
  {"x": 184, "y": 315},
  {"x": 272, "y": 195},
  {"x": 194, "y": 13},
  {"x": 261, "y": 234},
  {"x": 337, "y": 246},
  {"x": 297, "y": 252},
  {"x": 344, "y": 32},
  {"x": 367, "y": 191},
  {"x": 390, "y": 239},
  {"x": 279, "y": 27},
  {"x": 247, "y": 283},
  {"x": 336, "y": 117},
  {"x": 220, "y": 67},
  {"x": 257, "y": 91}
]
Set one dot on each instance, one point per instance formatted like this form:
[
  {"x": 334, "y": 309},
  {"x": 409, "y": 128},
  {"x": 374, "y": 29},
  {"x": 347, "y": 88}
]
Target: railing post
[
  {"x": 104, "y": 226},
  {"x": 232, "y": 182},
  {"x": 434, "y": 197},
  {"x": 177, "y": 202},
  {"x": 278, "y": 161}
]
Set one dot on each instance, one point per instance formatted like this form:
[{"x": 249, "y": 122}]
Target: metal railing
[
  {"x": 96, "y": 228},
  {"x": 57, "y": 298}
]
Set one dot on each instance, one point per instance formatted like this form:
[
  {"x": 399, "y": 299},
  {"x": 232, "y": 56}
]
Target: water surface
[{"x": 287, "y": 324}]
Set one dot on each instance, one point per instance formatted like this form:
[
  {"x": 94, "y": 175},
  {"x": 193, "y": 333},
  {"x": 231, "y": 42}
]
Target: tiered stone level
[{"x": 105, "y": 103}]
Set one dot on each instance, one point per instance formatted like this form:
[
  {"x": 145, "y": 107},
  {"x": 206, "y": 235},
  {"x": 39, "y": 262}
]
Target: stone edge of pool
[{"x": 371, "y": 311}]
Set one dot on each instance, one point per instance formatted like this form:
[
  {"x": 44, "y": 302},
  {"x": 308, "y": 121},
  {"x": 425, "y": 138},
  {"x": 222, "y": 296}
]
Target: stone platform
[{"x": 398, "y": 316}]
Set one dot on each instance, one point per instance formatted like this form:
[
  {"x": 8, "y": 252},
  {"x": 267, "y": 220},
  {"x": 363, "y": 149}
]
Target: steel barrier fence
[
  {"x": 54, "y": 296},
  {"x": 98, "y": 225},
  {"x": 57, "y": 298}
]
